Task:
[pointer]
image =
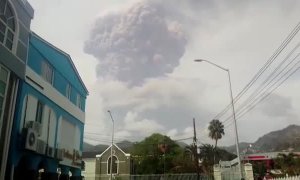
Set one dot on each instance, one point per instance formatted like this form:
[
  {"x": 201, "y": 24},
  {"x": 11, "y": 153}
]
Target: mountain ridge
[{"x": 286, "y": 139}]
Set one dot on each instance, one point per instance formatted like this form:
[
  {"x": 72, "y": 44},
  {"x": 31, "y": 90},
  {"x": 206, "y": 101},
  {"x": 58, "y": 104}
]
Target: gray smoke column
[{"x": 136, "y": 44}]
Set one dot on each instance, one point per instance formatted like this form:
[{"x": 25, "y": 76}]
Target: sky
[{"x": 136, "y": 59}]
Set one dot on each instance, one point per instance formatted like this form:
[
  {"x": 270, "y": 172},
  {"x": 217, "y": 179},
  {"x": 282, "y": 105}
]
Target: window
[
  {"x": 67, "y": 135},
  {"x": 3, "y": 84},
  {"x": 114, "y": 165},
  {"x": 47, "y": 72},
  {"x": 7, "y": 24},
  {"x": 34, "y": 109},
  {"x": 78, "y": 101},
  {"x": 68, "y": 91},
  {"x": 39, "y": 112}
]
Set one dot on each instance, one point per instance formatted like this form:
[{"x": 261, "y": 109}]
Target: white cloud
[
  {"x": 277, "y": 106},
  {"x": 141, "y": 126}
]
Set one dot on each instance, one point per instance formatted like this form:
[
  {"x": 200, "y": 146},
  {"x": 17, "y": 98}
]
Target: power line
[
  {"x": 261, "y": 90},
  {"x": 264, "y": 97},
  {"x": 183, "y": 139},
  {"x": 274, "y": 84},
  {"x": 262, "y": 69}
]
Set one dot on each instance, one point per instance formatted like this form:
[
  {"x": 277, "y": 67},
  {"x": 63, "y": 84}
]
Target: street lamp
[
  {"x": 233, "y": 112},
  {"x": 112, "y": 143}
]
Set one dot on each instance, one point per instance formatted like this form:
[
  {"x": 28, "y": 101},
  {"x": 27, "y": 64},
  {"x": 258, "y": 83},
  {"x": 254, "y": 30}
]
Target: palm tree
[
  {"x": 216, "y": 130},
  {"x": 207, "y": 156}
]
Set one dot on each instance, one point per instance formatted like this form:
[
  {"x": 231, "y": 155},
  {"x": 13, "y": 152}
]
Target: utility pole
[
  {"x": 195, "y": 150},
  {"x": 165, "y": 147},
  {"x": 112, "y": 145},
  {"x": 233, "y": 112}
]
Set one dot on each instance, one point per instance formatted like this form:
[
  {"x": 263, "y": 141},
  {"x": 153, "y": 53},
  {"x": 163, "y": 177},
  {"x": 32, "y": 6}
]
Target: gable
[
  {"x": 60, "y": 61},
  {"x": 118, "y": 150}
]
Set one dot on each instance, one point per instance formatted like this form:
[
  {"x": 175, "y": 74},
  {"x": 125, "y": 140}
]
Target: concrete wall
[
  {"x": 123, "y": 159},
  {"x": 90, "y": 168},
  {"x": 233, "y": 173}
]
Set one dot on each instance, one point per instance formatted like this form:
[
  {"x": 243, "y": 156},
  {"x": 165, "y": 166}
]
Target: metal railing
[{"x": 150, "y": 177}]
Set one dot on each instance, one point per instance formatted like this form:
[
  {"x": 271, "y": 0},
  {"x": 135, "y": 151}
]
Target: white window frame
[
  {"x": 108, "y": 167},
  {"x": 39, "y": 112},
  {"x": 47, "y": 72},
  {"x": 3, "y": 95},
  {"x": 8, "y": 29}
]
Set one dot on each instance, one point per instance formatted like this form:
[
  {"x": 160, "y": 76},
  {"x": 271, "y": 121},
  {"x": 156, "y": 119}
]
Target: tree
[
  {"x": 156, "y": 154},
  {"x": 184, "y": 162},
  {"x": 216, "y": 130},
  {"x": 288, "y": 163},
  {"x": 207, "y": 157},
  {"x": 208, "y": 154}
]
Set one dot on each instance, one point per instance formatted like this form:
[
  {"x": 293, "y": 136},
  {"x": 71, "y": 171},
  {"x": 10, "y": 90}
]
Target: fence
[
  {"x": 288, "y": 178},
  {"x": 229, "y": 170},
  {"x": 151, "y": 177}
]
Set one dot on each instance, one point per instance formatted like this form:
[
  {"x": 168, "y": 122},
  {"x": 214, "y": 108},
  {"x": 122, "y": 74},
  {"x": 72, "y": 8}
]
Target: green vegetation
[
  {"x": 288, "y": 163},
  {"x": 209, "y": 154},
  {"x": 157, "y": 154}
]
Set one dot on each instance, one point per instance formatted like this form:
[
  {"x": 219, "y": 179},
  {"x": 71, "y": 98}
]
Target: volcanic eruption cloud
[{"x": 138, "y": 43}]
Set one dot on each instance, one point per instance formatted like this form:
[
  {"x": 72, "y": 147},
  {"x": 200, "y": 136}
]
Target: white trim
[
  {"x": 104, "y": 162},
  {"x": 5, "y": 93},
  {"x": 118, "y": 162},
  {"x": 47, "y": 68},
  {"x": 17, "y": 31},
  {"x": 99, "y": 155},
  {"x": 49, "y": 91},
  {"x": 13, "y": 49}
]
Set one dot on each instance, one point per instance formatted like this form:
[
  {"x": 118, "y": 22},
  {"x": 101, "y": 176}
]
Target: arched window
[
  {"x": 7, "y": 24},
  {"x": 114, "y": 165}
]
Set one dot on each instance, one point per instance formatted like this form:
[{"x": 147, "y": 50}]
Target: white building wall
[
  {"x": 52, "y": 128},
  {"x": 30, "y": 109},
  {"x": 68, "y": 135},
  {"x": 90, "y": 165}
]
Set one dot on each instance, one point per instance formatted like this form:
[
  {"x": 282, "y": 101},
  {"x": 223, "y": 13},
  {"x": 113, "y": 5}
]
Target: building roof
[
  {"x": 264, "y": 156},
  {"x": 126, "y": 154},
  {"x": 60, "y": 60}
]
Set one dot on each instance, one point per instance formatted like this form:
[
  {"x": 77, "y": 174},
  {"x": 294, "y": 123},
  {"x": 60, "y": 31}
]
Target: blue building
[{"x": 47, "y": 134}]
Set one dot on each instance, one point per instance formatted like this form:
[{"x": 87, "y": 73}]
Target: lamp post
[
  {"x": 233, "y": 112},
  {"x": 112, "y": 143}
]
